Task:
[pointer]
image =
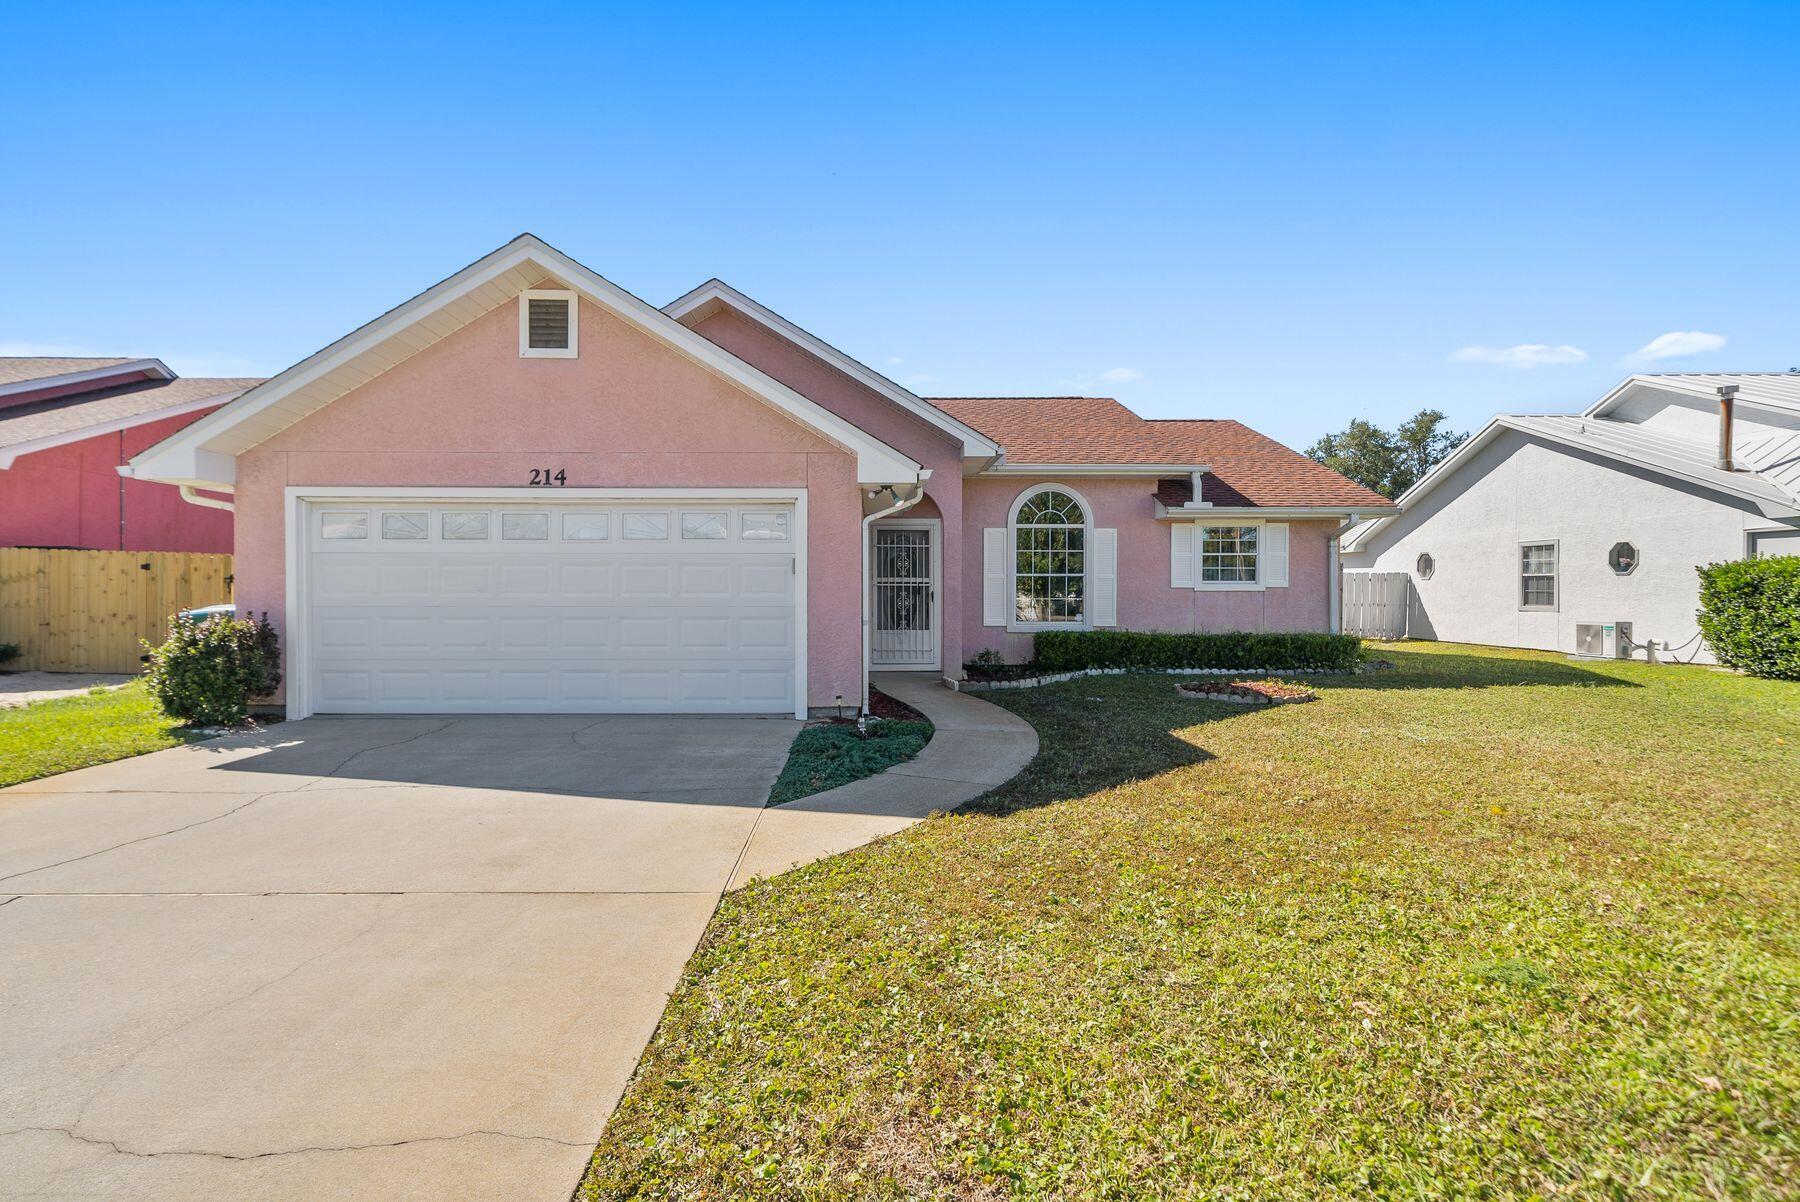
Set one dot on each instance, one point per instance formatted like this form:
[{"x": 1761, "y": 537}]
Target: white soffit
[
  {"x": 703, "y": 301},
  {"x": 204, "y": 452}
]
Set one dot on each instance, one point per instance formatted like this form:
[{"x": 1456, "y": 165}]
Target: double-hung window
[
  {"x": 1228, "y": 554},
  {"x": 1537, "y": 576}
]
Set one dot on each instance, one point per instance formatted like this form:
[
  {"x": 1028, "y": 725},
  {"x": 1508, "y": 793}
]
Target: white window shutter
[
  {"x": 1181, "y": 555},
  {"x": 1273, "y": 570},
  {"x": 1103, "y": 570},
  {"x": 993, "y": 577}
]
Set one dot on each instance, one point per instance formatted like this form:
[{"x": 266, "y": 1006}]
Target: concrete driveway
[{"x": 355, "y": 957}]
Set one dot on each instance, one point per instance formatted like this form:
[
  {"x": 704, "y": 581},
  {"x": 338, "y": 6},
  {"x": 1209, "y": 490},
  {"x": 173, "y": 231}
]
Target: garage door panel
[{"x": 546, "y": 625}]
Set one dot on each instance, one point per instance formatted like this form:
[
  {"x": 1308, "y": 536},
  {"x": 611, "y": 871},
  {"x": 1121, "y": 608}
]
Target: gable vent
[{"x": 547, "y": 324}]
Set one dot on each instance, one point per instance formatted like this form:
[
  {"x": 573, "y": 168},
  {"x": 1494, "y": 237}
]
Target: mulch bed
[{"x": 1247, "y": 692}]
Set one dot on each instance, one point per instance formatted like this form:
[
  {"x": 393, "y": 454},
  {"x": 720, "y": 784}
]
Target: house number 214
[{"x": 543, "y": 477}]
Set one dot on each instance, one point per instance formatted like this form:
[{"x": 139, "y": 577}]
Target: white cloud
[
  {"x": 1677, "y": 344},
  {"x": 1120, "y": 375},
  {"x": 918, "y": 378},
  {"x": 894, "y": 361},
  {"x": 1525, "y": 355}
]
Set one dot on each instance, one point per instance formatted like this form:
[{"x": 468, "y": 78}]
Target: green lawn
[
  {"x": 1492, "y": 925},
  {"x": 102, "y": 725},
  {"x": 824, "y": 757}
]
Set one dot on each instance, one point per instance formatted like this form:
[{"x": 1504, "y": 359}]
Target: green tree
[{"x": 1388, "y": 463}]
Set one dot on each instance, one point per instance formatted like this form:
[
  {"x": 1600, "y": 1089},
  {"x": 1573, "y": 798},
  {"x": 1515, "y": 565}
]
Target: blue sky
[{"x": 1290, "y": 214}]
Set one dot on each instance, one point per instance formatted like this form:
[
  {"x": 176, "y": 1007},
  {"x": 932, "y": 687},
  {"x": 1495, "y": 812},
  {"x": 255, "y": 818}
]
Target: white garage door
[{"x": 603, "y": 608}]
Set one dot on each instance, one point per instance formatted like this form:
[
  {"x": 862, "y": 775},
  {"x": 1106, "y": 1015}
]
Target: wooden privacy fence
[
  {"x": 84, "y": 611},
  {"x": 1376, "y": 604}
]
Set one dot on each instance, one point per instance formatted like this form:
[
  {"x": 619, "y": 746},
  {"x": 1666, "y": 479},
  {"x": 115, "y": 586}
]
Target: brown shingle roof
[
  {"x": 16, "y": 369},
  {"x": 1247, "y": 468},
  {"x": 65, "y": 415}
]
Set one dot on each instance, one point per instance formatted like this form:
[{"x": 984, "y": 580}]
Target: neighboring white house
[{"x": 1543, "y": 523}]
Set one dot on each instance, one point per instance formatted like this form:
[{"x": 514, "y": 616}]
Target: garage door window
[
  {"x": 343, "y": 525},
  {"x": 645, "y": 525},
  {"x": 586, "y": 527},
  {"x": 465, "y": 527},
  {"x": 764, "y": 527},
  {"x": 524, "y": 527},
  {"x": 405, "y": 525},
  {"x": 704, "y": 525}
]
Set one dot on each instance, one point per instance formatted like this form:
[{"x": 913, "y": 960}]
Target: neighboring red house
[{"x": 65, "y": 427}]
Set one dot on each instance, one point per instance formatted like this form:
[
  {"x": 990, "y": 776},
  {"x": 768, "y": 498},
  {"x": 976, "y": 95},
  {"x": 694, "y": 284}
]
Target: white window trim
[
  {"x": 301, "y": 499},
  {"x": 526, "y": 350},
  {"x": 1555, "y": 546},
  {"x": 1227, "y": 586},
  {"x": 1012, "y": 562}
]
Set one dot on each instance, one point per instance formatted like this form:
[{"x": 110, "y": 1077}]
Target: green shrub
[
  {"x": 1069, "y": 650},
  {"x": 1750, "y": 615},
  {"x": 8, "y": 651},
  {"x": 208, "y": 672},
  {"x": 824, "y": 757}
]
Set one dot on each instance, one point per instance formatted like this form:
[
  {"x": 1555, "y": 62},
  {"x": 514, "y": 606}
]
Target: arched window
[{"x": 1050, "y": 546}]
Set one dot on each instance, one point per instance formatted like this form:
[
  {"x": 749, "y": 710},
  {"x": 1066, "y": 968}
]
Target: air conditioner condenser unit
[{"x": 1603, "y": 640}]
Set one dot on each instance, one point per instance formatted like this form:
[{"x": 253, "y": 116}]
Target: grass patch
[
  {"x": 824, "y": 757},
  {"x": 1491, "y": 925},
  {"x": 99, "y": 726}
]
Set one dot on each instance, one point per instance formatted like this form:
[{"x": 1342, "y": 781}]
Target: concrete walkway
[
  {"x": 23, "y": 688},
  {"x": 976, "y": 746}
]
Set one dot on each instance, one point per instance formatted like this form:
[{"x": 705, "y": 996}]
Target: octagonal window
[
  {"x": 1425, "y": 565},
  {"x": 1622, "y": 558}
]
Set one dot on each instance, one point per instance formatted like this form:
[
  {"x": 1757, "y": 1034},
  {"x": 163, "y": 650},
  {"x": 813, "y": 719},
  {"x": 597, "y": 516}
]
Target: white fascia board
[
  {"x": 1165, "y": 513},
  {"x": 135, "y": 367},
  {"x": 1095, "y": 469},
  {"x": 975, "y": 444},
  {"x": 176, "y": 457},
  {"x": 8, "y": 454}
]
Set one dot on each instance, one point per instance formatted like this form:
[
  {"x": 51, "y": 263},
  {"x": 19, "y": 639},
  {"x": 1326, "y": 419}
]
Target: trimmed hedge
[
  {"x": 1750, "y": 615},
  {"x": 1069, "y": 650}
]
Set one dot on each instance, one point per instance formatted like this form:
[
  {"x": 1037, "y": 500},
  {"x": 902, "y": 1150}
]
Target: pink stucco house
[
  {"x": 527, "y": 490},
  {"x": 66, "y": 427}
]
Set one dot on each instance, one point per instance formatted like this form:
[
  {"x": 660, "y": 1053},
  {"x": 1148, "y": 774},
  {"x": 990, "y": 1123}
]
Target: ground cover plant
[
  {"x": 1489, "y": 925},
  {"x": 48, "y": 737}
]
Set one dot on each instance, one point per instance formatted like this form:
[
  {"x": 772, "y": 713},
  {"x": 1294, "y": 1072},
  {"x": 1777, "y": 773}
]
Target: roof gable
[
  {"x": 715, "y": 294},
  {"x": 204, "y": 452}
]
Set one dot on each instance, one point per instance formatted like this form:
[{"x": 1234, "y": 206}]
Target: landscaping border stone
[{"x": 1032, "y": 682}]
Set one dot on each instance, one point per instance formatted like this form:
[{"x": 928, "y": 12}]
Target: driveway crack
[
  {"x": 144, "y": 838},
  {"x": 324, "y": 776}
]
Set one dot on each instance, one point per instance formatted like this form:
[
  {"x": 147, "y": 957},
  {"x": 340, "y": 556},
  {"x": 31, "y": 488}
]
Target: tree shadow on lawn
[{"x": 1105, "y": 731}]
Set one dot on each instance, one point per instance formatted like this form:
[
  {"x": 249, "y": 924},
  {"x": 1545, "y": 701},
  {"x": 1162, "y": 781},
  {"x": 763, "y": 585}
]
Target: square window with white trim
[
  {"x": 763, "y": 527},
  {"x": 586, "y": 527},
  {"x": 466, "y": 525},
  {"x": 405, "y": 526},
  {"x": 705, "y": 525},
  {"x": 336, "y": 524},
  {"x": 1537, "y": 576},
  {"x": 549, "y": 323},
  {"x": 644, "y": 526},
  {"x": 524, "y": 527},
  {"x": 1228, "y": 554}
]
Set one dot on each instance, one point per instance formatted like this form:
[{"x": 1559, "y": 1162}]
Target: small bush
[
  {"x": 1750, "y": 615},
  {"x": 1069, "y": 650},
  {"x": 8, "y": 652},
  {"x": 208, "y": 672}
]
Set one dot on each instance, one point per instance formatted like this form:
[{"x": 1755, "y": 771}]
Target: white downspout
[
  {"x": 868, "y": 585},
  {"x": 1337, "y": 575},
  {"x": 191, "y": 495}
]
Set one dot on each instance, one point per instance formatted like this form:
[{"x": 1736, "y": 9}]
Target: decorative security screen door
[{"x": 905, "y": 598}]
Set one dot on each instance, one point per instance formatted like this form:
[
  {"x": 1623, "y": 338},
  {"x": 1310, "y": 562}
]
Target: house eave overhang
[
  {"x": 199, "y": 453},
  {"x": 155, "y": 369},
  {"x": 1195, "y": 513},
  {"x": 1693, "y": 389},
  {"x": 715, "y": 295},
  {"x": 50, "y": 441},
  {"x": 1004, "y": 468}
]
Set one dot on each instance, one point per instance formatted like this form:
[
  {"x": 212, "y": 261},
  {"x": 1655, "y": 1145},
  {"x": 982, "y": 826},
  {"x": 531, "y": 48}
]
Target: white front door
[
  {"x": 533, "y": 607},
  {"x": 904, "y": 574}
]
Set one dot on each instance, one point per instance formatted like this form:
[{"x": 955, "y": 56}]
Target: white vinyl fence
[{"x": 1376, "y": 604}]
